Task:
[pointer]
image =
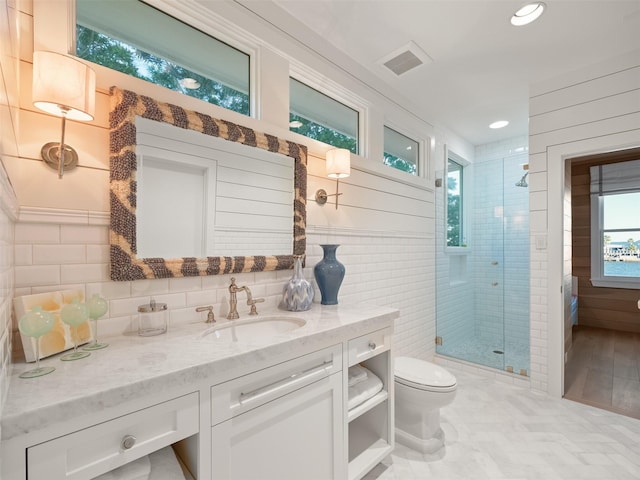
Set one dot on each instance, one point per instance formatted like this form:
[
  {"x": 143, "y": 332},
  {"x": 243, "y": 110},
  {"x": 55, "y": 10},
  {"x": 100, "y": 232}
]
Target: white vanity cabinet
[
  {"x": 101, "y": 448},
  {"x": 370, "y": 432},
  {"x": 278, "y": 411},
  {"x": 281, "y": 423}
]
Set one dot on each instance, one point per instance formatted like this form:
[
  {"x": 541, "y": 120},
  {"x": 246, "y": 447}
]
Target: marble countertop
[{"x": 133, "y": 366}]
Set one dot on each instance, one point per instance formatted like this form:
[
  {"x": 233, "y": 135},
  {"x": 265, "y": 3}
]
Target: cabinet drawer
[
  {"x": 101, "y": 448},
  {"x": 250, "y": 391},
  {"x": 369, "y": 345}
]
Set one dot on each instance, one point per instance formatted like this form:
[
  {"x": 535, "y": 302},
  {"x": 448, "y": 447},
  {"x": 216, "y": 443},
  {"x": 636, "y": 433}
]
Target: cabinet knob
[
  {"x": 128, "y": 441},
  {"x": 372, "y": 345}
]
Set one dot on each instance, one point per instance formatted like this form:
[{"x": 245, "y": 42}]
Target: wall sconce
[
  {"x": 338, "y": 165},
  {"x": 65, "y": 87}
]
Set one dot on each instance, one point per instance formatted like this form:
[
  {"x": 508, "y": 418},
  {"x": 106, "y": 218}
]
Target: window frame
[
  {"x": 420, "y": 160},
  {"x": 598, "y": 278},
  {"x": 333, "y": 90},
  {"x": 464, "y": 192},
  {"x": 358, "y": 141},
  {"x": 235, "y": 99},
  {"x": 368, "y": 145},
  {"x": 207, "y": 22}
]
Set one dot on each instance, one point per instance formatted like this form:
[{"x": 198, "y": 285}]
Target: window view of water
[{"x": 622, "y": 269}]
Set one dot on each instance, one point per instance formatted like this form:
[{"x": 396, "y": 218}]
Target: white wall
[
  {"x": 592, "y": 110},
  {"x": 8, "y": 204},
  {"x": 385, "y": 223}
]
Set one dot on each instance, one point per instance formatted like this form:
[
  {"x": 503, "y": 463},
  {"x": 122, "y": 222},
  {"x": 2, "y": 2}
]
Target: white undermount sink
[{"x": 252, "y": 329}]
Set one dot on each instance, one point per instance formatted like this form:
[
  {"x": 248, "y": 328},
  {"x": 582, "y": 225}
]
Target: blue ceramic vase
[
  {"x": 298, "y": 292},
  {"x": 329, "y": 273}
]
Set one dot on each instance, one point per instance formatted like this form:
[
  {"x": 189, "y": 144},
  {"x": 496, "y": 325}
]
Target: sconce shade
[
  {"x": 338, "y": 163},
  {"x": 63, "y": 86}
]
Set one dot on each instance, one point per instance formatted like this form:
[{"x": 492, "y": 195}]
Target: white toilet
[{"x": 421, "y": 389}]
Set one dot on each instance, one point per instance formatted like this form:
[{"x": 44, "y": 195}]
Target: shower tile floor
[
  {"x": 498, "y": 430},
  {"x": 483, "y": 352}
]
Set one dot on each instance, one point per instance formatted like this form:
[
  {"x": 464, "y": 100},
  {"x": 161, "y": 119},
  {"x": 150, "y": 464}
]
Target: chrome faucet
[{"x": 233, "y": 300}]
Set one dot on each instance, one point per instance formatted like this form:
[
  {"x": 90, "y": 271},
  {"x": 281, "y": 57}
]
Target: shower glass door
[
  {"x": 488, "y": 215},
  {"x": 483, "y": 289}
]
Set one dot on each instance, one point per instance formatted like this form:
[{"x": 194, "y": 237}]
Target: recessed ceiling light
[
  {"x": 499, "y": 124},
  {"x": 189, "y": 83},
  {"x": 408, "y": 147},
  {"x": 527, "y": 14},
  {"x": 295, "y": 124}
]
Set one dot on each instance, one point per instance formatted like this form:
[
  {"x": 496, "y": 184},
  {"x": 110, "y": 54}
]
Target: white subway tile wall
[
  {"x": 8, "y": 208},
  {"x": 381, "y": 269}
]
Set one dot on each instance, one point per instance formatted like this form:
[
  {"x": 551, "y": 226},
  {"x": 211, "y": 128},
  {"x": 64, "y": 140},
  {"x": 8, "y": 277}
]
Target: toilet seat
[{"x": 427, "y": 376}]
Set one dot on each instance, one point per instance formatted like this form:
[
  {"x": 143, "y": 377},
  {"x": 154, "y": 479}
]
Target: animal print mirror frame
[{"x": 125, "y": 265}]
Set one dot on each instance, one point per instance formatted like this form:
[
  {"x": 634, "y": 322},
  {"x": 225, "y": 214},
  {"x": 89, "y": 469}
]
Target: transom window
[
  {"x": 134, "y": 38},
  {"x": 400, "y": 151},
  {"x": 318, "y": 116},
  {"x": 615, "y": 225}
]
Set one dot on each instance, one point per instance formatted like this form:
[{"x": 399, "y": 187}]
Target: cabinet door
[
  {"x": 101, "y": 448},
  {"x": 297, "y": 436}
]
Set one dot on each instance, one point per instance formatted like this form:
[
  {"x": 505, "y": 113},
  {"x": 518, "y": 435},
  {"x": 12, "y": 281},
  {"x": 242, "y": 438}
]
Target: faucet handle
[
  {"x": 254, "y": 310},
  {"x": 210, "y": 317}
]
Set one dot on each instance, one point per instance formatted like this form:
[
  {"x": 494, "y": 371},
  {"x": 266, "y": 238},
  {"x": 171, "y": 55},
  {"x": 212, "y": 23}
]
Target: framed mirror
[{"x": 140, "y": 162}]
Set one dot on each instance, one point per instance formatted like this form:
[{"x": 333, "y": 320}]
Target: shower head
[{"x": 523, "y": 180}]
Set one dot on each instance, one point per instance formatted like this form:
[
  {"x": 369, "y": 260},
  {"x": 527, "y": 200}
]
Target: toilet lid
[{"x": 420, "y": 372}]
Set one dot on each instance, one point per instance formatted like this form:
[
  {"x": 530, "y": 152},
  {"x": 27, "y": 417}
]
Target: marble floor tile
[{"x": 498, "y": 431}]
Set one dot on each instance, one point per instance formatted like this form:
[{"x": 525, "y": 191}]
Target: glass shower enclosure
[{"x": 482, "y": 309}]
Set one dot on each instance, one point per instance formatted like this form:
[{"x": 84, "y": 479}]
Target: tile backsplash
[{"x": 380, "y": 270}]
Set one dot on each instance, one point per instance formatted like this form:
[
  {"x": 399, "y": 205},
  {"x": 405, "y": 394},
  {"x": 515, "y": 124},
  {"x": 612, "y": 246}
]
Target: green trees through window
[
  {"x": 321, "y": 133},
  {"x": 400, "y": 151},
  {"x": 137, "y": 39},
  {"x": 454, "y": 204},
  {"x": 117, "y": 55},
  {"x": 321, "y": 117}
]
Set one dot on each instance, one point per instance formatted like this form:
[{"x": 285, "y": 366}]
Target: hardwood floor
[{"x": 604, "y": 370}]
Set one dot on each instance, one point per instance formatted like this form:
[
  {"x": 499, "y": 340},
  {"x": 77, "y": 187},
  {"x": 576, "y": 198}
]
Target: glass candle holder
[
  {"x": 74, "y": 315},
  {"x": 97, "y": 308},
  {"x": 35, "y": 324}
]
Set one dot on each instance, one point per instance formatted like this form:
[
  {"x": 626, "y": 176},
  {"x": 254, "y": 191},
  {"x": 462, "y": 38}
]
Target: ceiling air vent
[
  {"x": 405, "y": 59},
  {"x": 403, "y": 63}
]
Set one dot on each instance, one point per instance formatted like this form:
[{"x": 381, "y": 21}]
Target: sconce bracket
[
  {"x": 321, "y": 196},
  {"x": 51, "y": 155}
]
